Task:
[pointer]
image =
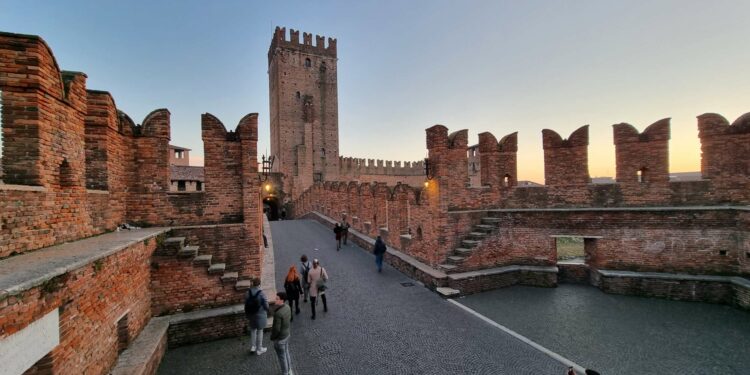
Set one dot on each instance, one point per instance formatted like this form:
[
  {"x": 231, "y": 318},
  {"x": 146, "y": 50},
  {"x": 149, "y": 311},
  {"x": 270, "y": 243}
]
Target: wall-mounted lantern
[
  {"x": 266, "y": 165},
  {"x": 428, "y": 169}
]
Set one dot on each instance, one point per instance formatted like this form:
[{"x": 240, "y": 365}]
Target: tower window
[
  {"x": 308, "y": 63},
  {"x": 642, "y": 175},
  {"x": 298, "y": 95}
]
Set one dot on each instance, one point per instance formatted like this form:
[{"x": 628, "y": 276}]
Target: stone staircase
[
  {"x": 176, "y": 245},
  {"x": 478, "y": 233}
]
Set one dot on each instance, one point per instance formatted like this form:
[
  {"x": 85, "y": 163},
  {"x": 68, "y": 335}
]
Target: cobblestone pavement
[
  {"x": 374, "y": 325},
  {"x": 623, "y": 334}
]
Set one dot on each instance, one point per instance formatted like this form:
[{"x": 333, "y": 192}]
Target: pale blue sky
[{"x": 498, "y": 66}]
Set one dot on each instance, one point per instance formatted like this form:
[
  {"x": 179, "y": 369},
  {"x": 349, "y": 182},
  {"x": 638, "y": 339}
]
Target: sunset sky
[{"x": 498, "y": 66}]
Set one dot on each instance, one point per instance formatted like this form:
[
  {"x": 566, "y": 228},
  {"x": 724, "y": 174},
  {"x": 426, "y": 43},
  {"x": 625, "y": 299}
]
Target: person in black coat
[
  {"x": 293, "y": 288},
  {"x": 379, "y": 251}
]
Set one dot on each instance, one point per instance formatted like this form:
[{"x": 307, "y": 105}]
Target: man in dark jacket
[
  {"x": 379, "y": 251},
  {"x": 282, "y": 317}
]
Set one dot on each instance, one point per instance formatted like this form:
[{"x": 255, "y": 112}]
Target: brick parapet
[{"x": 91, "y": 296}]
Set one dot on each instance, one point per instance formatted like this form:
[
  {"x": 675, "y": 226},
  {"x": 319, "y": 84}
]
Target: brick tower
[{"x": 304, "y": 109}]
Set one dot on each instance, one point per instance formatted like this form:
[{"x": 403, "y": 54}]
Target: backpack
[
  {"x": 305, "y": 271},
  {"x": 252, "y": 303}
]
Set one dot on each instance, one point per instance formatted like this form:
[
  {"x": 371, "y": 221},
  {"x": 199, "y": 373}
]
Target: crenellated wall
[
  {"x": 76, "y": 167},
  {"x": 387, "y": 171},
  {"x": 642, "y": 223}
]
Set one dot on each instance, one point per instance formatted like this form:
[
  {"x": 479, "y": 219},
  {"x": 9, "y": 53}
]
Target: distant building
[
  {"x": 179, "y": 155},
  {"x": 183, "y": 177}
]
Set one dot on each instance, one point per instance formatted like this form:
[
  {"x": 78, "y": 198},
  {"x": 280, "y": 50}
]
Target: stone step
[
  {"x": 188, "y": 252},
  {"x": 485, "y": 227},
  {"x": 229, "y": 277},
  {"x": 456, "y": 259},
  {"x": 217, "y": 268},
  {"x": 491, "y": 220},
  {"x": 463, "y": 251},
  {"x": 478, "y": 234},
  {"x": 170, "y": 246},
  {"x": 174, "y": 242},
  {"x": 448, "y": 267},
  {"x": 203, "y": 260},
  {"x": 470, "y": 243},
  {"x": 243, "y": 285},
  {"x": 448, "y": 292}
]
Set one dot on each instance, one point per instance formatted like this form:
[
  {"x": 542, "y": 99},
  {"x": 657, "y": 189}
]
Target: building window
[
  {"x": 180, "y": 185},
  {"x": 298, "y": 95},
  {"x": 198, "y": 186},
  {"x": 642, "y": 175},
  {"x": 178, "y": 154},
  {"x": 308, "y": 63},
  {"x": 506, "y": 180}
]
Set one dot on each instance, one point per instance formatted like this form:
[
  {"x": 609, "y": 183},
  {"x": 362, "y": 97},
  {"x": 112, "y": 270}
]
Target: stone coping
[
  {"x": 30, "y": 269},
  {"x": 143, "y": 349},
  {"x": 437, "y": 274},
  {"x": 22, "y": 187},
  {"x": 502, "y": 270},
  {"x": 206, "y": 226},
  {"x": 736, "y": 280},
  {"x": 205, "y": 314},
  {"x": 100, "y": 192},
  {"x": 604, "y": 209}
]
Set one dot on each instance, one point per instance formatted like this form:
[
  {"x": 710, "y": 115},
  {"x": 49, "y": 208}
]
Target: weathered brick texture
[{"x": 91, "y": 300}]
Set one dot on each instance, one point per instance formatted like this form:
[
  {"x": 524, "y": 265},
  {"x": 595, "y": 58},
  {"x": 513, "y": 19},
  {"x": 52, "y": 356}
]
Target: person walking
[
  {"x": 379, "y": 251},
  {"x": 317, "y": 278},
  {"x": 256, "y": 311},
  {"x": 338, "y": 230},
  {"x": 282, "y": 316},
  {"x": 293, "y": 288},
  {"x": 304, "y": 269},
  {"x": 345, "y": 230}
]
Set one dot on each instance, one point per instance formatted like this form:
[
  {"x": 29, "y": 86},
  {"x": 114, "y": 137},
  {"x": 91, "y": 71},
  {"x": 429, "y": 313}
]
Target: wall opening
[
  {"x": 308, "y": 63},
  {"x": 198, "y": 186},
  {"x": 570, "y": 249},
  {"x": 123, "y": 335},
  {"x": 506, "y": 180},
  {"x": 271, "y": 208},
  {"x": 642, "y": 175},
  {"x": 181, "y": 186},
  {"x": 66, "y": 174},
  {"x": 419, "y": 233}
]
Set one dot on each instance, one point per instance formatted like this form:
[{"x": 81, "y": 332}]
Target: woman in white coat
[{"x": 316, "y": 278}]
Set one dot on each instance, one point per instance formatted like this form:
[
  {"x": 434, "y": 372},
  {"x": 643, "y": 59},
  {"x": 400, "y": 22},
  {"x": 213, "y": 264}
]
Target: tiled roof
[{"x": 182, "y": 172}]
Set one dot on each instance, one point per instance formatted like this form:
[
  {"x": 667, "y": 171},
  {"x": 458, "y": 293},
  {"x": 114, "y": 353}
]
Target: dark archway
[{"x": 272, "y": 208}]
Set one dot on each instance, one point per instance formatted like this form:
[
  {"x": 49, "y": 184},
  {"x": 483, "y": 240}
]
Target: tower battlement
[{"x": 320, "y": 47}]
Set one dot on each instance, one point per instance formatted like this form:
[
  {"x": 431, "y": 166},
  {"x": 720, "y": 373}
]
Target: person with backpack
[
  {"x": 293, "y": 288},
  {"x": 379, "y": 251},
  {"x": 304, "y": 270},
  {"x": 256, "y": 311},
  {"x": 317, "y": 278}
]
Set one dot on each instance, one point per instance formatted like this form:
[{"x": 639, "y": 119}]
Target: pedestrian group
[{"x": 309, "y": 280}]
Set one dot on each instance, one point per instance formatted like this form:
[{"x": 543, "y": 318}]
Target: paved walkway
[
  {"x": 377, "y": 326},
  {"x": 374, "y": 325},
  {"x": 624, "y": 334}
]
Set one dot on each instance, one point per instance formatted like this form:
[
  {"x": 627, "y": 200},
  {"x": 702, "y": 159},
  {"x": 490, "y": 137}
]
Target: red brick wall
[
  {"x": 227, "y": 243},
  {"x": 179, "y": 285},
  {"x": 91, "y": 299}
]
